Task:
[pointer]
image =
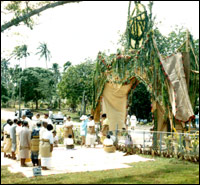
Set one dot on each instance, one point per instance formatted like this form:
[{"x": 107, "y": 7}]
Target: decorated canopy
[{"x": 168, "y": 78}]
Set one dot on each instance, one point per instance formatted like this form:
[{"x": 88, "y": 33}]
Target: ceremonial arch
[{"x": 171, "y": 80}]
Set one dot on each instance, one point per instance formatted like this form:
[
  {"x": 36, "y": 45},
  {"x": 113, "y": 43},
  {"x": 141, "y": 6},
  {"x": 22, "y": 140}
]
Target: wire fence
[{"x": 166, "y": 144}]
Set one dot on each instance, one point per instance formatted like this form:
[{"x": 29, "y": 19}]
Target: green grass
[{"x": 162, "y": 171}]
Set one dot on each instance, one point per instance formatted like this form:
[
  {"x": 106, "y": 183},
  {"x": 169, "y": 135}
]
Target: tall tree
[
  {"x": 24, "y": 10},
  {"x": 75, "y": 81},
  {"x": 37, "y": 84},
  {"x": 44, "y": 52},
  {"x": 67, "y": 65}
]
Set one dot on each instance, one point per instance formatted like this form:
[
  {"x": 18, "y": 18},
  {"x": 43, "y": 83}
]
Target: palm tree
[
  {"x": 24, "y": 52},
  {"x": 20, "y": 52},
  {"x": 44, "y": 52},
  {"x": 66, "y": 65}
]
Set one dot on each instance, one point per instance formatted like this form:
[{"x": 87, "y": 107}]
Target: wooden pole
[{"x": 187, "y": 40}]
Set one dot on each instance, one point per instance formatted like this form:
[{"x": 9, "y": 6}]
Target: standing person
[
  {"x": 35, "y": 145},
  {"x": 18, "y": 130},
  {"x": 4, "y": 133},
  {"x": 25, "y": 143},
  {"x": 13, "y": 137},
  {"x": 36, "y": 119},
  {"x": 8, "y": 142},
  {"x": 46, "y": 148},
  {"x": 91, "y": 134},
  {"x": 68, "y": 129},
  {"x": 133, "y": 121},
  {"x": 83, "y": 128},
  {"x": 30, "y": 123},
  {"x": 105, "y": 127},
  {"x": 127, "y": 121},
  {"x": 47, "y": 119}
]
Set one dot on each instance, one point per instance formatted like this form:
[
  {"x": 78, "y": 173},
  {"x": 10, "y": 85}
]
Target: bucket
[{"x": 37, "y": 171}]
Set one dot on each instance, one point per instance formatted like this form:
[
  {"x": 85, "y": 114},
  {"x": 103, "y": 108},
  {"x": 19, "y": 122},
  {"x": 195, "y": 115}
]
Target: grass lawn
[{"x": 162, "y": 171}]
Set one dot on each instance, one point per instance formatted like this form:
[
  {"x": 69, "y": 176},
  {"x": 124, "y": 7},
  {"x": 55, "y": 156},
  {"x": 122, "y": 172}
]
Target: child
[
  {"x": 55, "y": 139},
  {"x": 108, "y": 145},
  {"x": 129, "y": 145},
  {"x": 69, "y": 142}
]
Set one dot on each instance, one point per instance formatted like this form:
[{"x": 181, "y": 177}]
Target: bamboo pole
[
  {"x": 194, "y": 55},
  {"x": 187, "y": 40},
  {"x": 181, "y": 46}
]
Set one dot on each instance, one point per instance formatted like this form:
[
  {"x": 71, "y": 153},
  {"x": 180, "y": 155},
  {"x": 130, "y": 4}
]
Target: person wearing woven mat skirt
[
  {"x": 46, "y": 148},
  {"x": 25, "y": 143}
]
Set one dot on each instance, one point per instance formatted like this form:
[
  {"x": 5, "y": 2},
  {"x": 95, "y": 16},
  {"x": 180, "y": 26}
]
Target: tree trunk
[
  {"x": 36, "y": 103},
  {"x": 16, "y": 21}
]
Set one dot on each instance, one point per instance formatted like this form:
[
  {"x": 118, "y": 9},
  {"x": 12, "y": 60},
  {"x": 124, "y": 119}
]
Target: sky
[{"x": 77, "y": 31}]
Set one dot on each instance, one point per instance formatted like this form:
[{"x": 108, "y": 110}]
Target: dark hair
[
  {"x": 10, "y": 123},
  {"x": 15, "y": 120},
  {"x": 46, "y": 114},
  {"x": 110, "y": 133},
  {"x": 37, "y": 114},
  {"x": 108, "y": 136},
  {"x": 69, "y": 136},
  {"x": 92, "y": 117},
  {"x": 103, "y": 116},
  {"x": 54, "y": 132},
  {"x": 39, "y": 124},
  {"x": 19, "y": 122},
  {"x": 44, "y": 123},
  {"x": 8, "y": 120},
  {"x": 25, "y": 123},
  {"x": 49, "y": 127}
]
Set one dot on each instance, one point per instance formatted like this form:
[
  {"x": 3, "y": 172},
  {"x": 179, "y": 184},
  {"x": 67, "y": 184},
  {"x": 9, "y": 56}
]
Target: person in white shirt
[
  {"x": 133, "y": 121},
  {"x": 108, "y": 145},
  {"x": 112, "y": 137},
  {"x": 36, "y": 119},
  {"x": 18, "y": 130},
  {"x": 55, "y": 139},
  {"x": 46, "y": 148},
  {"x": 68, "y": 129},
  {"x": 91, "y": 134},
  {"x": 30, "y": 123},
  {"x": 69, "y": 142},
  {"x": 8, "y": 142},
  {"x": 47, "y": 119}
]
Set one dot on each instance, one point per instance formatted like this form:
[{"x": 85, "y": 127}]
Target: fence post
[
  {"x": 160, "y": 142},
  {"x": 144, "y": 140},
  {"x": 180, "y": 150}
]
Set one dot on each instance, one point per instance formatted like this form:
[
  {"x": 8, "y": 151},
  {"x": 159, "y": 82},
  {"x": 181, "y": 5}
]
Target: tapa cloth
[
  {"x": 177, "y": 87},
  {"x": 115, "y": 103}
]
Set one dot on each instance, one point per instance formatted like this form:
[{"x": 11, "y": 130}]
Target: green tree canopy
[
  {"x": 36, "y": 84},
  {"x": 75, "y": 81}
]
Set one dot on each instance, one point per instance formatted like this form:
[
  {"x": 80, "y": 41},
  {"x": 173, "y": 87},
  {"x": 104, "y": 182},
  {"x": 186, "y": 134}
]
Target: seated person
[
  {"x": 55, "y": 139},
  {"x": 112, "y": 137},
  {"x": 69, "y": 142},
  {"x": 108, "y": 145}
]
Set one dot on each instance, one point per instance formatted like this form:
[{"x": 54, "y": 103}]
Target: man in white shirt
[
  {"x": 47, "y": 119},
  {"x": 36, "y": 119},
  {"x": 133, "y": 121},
  {"x": 30, "y": 123},
  {"x": 8, "y": 142},
  {"x": 68, "y": 129},
  {"x": 46, "y": 148}
]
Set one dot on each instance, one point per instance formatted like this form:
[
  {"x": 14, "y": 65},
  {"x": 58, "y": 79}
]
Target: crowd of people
[{"x": 25, "y": 139}]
